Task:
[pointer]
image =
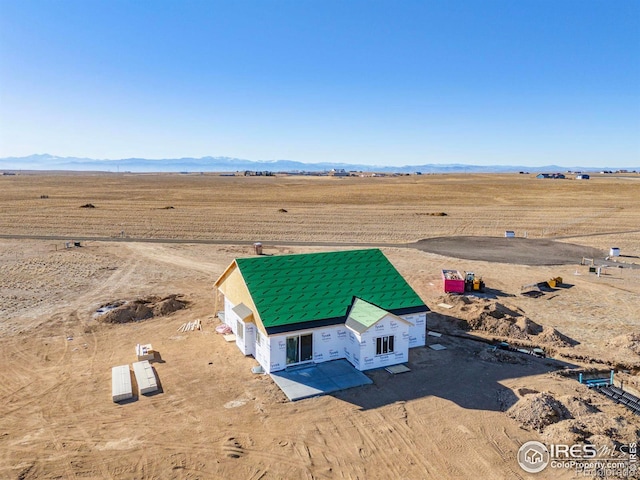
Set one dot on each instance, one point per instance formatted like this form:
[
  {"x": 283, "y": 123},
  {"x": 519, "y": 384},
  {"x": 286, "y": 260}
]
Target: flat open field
[{"x": 459, "y": 413}]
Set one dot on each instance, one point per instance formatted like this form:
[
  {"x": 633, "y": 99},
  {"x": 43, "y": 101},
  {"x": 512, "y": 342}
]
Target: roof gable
[
  {"x": 293, "y": 289},
  {"x": 364, "y": 315}
]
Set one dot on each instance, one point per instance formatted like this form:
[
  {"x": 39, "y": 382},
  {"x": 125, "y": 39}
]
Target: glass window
[
  {"x": 239, "y": 329},
  {"x": 384, "y": 345}
]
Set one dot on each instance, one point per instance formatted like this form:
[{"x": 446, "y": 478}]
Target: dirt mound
[
  {"x": 168, "y": 305},
  {"x": 492, "y": 317},
  {"x": 502, "y": 356},
  {"x": 568, "y": 432},
  {"x": 142, "y": 309},
  {"x": 538, "y": 411},
  {"x": 578, "y": 407},
  {"x": 551, "y": 336},
  {"x": 526, "y": 391},
  {"x": 596, "y": 428},
  {"x": 629, "y": 342},
  {"x": 570, "y": 419}
]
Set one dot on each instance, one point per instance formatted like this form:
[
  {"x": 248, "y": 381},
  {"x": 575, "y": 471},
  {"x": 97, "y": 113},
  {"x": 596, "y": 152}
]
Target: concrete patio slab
[{"x": 319, "y": 379}]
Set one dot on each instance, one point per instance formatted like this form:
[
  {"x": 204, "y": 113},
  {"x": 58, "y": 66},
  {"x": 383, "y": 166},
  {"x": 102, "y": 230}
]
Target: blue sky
[{"x": 525, "y": 82}]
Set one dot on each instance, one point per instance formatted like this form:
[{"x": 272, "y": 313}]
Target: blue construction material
[{"x": 597, "y": 382}]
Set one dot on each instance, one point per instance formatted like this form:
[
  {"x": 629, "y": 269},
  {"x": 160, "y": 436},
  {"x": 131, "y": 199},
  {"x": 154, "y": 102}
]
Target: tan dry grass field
[{"x": 450, "y": 417}]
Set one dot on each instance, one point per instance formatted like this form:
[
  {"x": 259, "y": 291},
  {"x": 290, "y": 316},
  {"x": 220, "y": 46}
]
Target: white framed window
[
  {"x": 384, "y": 345},
  {"x": 240, "y": 329}
]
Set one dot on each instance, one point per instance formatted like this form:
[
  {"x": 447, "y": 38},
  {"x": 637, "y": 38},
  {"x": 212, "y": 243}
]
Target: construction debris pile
[
  {"x": 538, "y": 410},
  {"x": 140, "y": 309},
  {"x": 494, "y": 318},
  {"x": 190, "y": 326},
  {"x": 570, "y": 419},
  {"x": 629, "y": 342}
]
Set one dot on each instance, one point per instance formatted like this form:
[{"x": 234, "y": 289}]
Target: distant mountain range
[{"x": 227, "y": 164}]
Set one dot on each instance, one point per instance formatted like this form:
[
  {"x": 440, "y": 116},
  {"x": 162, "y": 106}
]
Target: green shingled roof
[{"x": 291, "y": 289}]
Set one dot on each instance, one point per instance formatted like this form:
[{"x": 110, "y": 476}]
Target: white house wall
[
  {"x": 263, "y": 351},
  {"x": 417, "y": 330},
  {"x": 332, "y": 343},
  {"x": 362, "y": 347},
  {"x": 328, "y": 344},
  {"x": 229, "y": 315},
  {"x": 246, "y": 343},
  {"x": 352, "y": 348}
]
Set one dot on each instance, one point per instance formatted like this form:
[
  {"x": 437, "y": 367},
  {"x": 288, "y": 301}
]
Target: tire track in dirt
[
  {"x": 401, "y": 438},
  {"x": 228, "y": 447},
  {"x": 42, "y": 393},
  {"x": 494, "y": 440},
  {"x": 443, "y": 445},
  {"x": 115, "y": 281},
  {"x": 23, "y": 375},
  {"x": 52, "y": 410},
  {"x": 455, "y": 450},
  {"x": 376, "y": 445},
  {"x": 160, "y": 254}
]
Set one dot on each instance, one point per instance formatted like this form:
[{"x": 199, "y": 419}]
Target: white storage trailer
[
  {"x": 145, "y": 377},
  {"x": 121, "y": 383}
]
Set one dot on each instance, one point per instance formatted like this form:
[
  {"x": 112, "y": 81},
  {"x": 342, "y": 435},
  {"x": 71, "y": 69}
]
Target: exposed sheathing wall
[
  {"x": 365, "y": 344},
  {"x": 328, "y": 344},
  {"x": 417, "y": 330},
  {"x": 235, "y": 292}
]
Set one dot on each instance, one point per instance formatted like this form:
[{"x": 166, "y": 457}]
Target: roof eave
[
  {"x": 410, "y": 310},
  {"x": 294, "y": 327},
  {"x": 226, "y": 272}
]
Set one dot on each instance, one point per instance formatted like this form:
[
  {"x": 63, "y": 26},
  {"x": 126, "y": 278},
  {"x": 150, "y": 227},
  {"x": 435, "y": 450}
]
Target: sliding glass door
[{"x": 299, "y": 349}]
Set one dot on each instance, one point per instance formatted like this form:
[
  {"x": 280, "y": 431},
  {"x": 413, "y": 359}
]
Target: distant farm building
[
  {"x": 338, "y": 172},
  {"x": 550, "y": 175},
  {"x": 289, "y": 310}
]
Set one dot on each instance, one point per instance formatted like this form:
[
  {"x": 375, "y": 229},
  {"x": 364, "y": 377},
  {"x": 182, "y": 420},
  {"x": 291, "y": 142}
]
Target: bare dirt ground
[{"x": 460, "y": 413}]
